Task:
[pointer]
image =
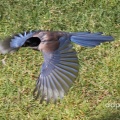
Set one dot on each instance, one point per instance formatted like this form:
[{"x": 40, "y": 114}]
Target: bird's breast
[{"x": 48, "y": 46}]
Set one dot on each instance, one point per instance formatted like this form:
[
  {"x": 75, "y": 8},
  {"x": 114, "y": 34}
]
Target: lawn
[{"x": 95, "y": 95}]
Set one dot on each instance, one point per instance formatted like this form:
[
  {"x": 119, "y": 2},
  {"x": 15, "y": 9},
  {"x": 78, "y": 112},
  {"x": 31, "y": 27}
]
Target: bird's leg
[{"x": 3, "y": 60}]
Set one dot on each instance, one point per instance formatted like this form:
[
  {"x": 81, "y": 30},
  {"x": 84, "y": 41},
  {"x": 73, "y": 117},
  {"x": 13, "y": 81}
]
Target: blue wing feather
[
  {"x": 59, "y": 70},
  {"x": 19, "y": 40}
]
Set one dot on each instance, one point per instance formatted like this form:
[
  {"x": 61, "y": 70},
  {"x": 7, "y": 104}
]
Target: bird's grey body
[{"x": 60, "y": 66}]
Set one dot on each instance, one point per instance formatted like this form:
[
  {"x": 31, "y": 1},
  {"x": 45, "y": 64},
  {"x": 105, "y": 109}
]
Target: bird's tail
[{"x": 88, "y": 39}]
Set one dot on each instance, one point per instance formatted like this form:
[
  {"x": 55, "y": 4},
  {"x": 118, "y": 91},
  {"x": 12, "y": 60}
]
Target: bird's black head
[{"x": 32, "y": 42}]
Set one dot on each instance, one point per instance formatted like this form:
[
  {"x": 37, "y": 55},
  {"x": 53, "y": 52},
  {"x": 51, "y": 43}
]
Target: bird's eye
[{"x": 32, "y": 42}]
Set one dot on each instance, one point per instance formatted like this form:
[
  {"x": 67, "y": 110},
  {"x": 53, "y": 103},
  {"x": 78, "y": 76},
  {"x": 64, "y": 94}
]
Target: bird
[{"x": 60, "y": 67}]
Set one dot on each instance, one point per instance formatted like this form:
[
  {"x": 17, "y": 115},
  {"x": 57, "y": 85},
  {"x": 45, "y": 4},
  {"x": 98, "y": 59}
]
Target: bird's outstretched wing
[
  {"x": 59, "y": 70},
  {"x": 13, "y": 43}
]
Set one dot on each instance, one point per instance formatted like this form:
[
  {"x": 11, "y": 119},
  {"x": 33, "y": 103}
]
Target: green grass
[{"x": 98, "y": 84}]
